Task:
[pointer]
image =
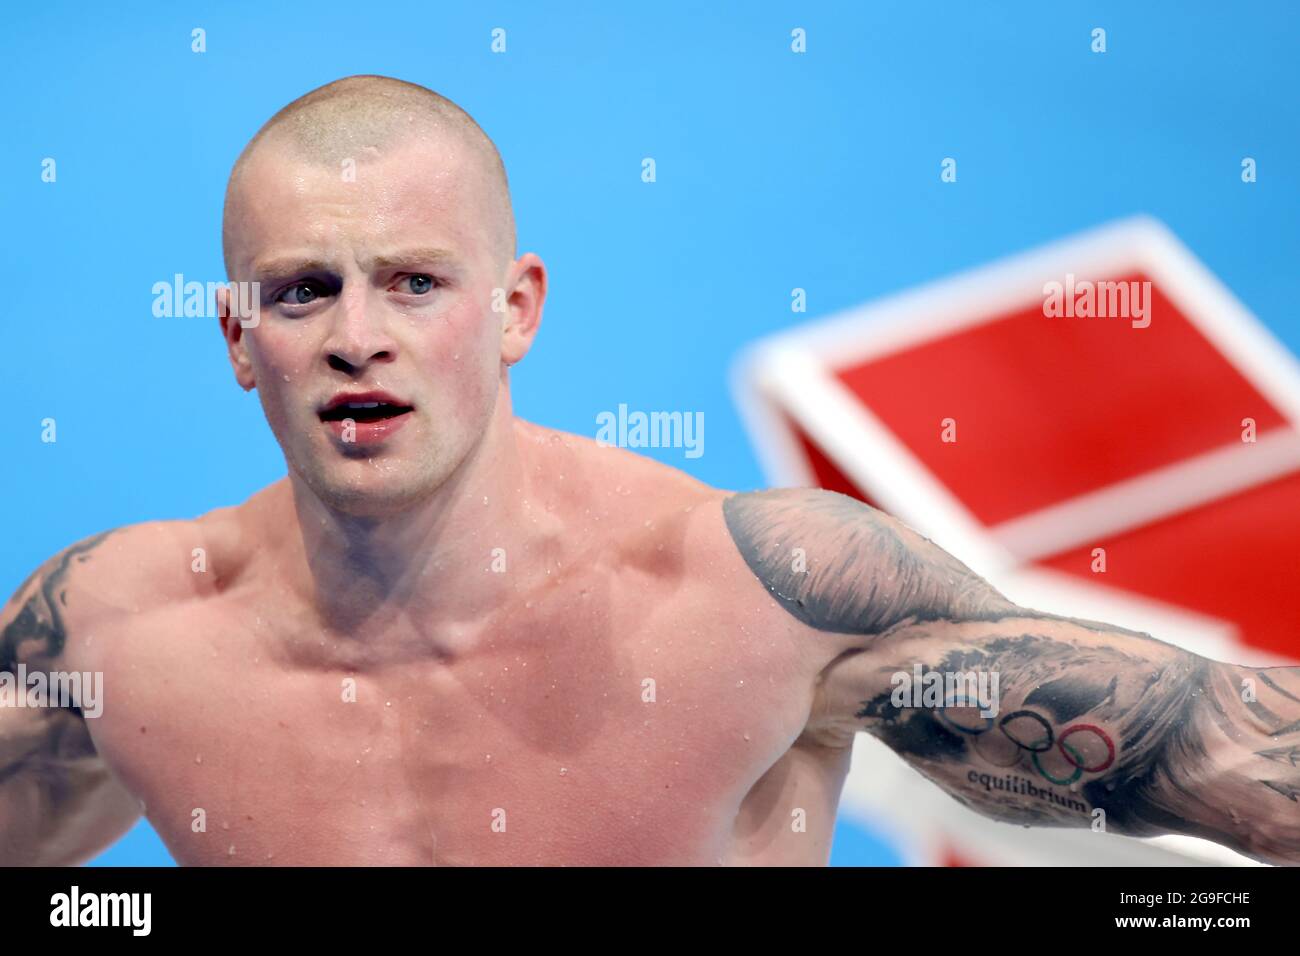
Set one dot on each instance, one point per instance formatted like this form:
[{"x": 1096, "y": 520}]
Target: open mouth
[{"x": 364, "y": 412}]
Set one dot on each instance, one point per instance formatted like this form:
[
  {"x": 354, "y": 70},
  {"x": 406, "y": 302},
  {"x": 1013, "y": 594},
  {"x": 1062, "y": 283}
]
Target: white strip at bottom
[{"x": 1151, "y": 496}]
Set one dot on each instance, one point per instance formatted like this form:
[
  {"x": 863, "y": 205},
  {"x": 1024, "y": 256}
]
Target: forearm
[
  {"x": 1104, "y": 728},
  {"x": 1239, "y": 783}
]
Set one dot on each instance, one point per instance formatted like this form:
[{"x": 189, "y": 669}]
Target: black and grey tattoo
[
  {"x": 49, "y": 769},
  {"x": 1091, "y": 717},
  {"x": 37, "y": 630}
]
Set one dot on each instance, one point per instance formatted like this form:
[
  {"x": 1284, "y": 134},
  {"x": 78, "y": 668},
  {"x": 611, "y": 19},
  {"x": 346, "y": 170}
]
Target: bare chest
[{"x": 575, "y": 731}]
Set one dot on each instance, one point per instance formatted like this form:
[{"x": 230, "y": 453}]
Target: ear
[
  {"x": 524, "y": 295},
  {"x": 232, "y": 330}
]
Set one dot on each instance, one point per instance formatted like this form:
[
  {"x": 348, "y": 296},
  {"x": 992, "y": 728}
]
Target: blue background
[{"x": 775, "y": 170}]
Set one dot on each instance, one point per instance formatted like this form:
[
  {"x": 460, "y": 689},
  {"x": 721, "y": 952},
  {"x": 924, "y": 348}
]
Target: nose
[{"x": 359, "y": 337}]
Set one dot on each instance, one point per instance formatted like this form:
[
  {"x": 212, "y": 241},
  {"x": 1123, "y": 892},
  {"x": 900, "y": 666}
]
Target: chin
[{"x": 365, "y": 490}]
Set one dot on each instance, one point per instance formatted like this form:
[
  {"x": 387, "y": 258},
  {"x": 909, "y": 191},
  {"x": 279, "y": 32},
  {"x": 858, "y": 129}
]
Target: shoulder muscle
[
  {"x": 840, "y": 565},
  {"x": 32, "y": 625}
]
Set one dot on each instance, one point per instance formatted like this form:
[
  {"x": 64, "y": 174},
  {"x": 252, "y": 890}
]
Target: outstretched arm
[{"x": 1029, "y": 718}]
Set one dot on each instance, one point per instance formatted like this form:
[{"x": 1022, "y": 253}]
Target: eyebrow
[
  {"x": 276, "y": 268},
  {"x": 409, "y": 257}
]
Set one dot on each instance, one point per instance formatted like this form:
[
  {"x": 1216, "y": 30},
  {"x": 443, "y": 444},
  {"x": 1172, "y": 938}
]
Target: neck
[{"x": 430, "y": 563}]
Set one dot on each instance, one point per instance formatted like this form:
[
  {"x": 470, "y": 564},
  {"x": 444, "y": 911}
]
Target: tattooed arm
[
  {"x": 1023, "y": 716},
  {"x": 59, "y": 803}
]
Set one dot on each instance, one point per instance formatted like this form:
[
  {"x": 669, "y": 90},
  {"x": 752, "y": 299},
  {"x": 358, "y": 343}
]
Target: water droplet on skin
[
  {"x": 487, "y": 758},
  {"x": 231, "y": 851},
  {"x": 563, "y": 771},
  {"x": 198, "y": 758}
]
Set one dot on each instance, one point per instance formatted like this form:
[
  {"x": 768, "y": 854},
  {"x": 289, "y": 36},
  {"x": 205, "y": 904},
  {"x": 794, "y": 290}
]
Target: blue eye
[
  {"x": 420, "y": 283},
  {"x": 301, "y": 293}
]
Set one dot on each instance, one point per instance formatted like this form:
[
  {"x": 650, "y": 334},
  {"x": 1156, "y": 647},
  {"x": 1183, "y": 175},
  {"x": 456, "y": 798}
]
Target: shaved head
[
  {"x": 359, "y": 118},
  {"x": 368, "y": 223}
]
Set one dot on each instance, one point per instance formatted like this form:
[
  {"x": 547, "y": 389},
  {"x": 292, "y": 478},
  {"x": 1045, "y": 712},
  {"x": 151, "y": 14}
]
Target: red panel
[
  {"x": 1237, "y": 558},
  {"x": 1050, "y": 408}
]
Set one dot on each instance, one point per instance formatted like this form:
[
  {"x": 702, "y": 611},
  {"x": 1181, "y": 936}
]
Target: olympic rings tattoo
[
  {"x": 1063, "y": 781},
  {"x": 1047, "y": 729},
  {"x": 956, "y": 695},
  {"x": 1072, "y": 756},
  {"x": 1080, "y": 728}
]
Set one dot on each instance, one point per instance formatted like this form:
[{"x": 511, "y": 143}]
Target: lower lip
[{"x": 367, "y": 433}]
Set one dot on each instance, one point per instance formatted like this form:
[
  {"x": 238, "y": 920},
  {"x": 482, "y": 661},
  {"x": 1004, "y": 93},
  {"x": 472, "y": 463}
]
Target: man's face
[{"x": 385, "y": 285}]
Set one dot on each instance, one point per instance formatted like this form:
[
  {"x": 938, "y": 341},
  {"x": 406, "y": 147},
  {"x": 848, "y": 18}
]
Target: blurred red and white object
[{"x": 1072, "y": 433}]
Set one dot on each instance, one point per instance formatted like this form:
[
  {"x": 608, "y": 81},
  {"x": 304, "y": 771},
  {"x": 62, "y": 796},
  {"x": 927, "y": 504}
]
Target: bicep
[{"x": 59, "y": 802}]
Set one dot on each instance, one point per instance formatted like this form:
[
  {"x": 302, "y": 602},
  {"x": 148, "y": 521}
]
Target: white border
[
  {"x": 792, "y": 370},
  {"x": 1148, "y": 497}
]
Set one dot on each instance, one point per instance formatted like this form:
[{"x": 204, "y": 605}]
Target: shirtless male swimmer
[{"x": 650, "y": 674}]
